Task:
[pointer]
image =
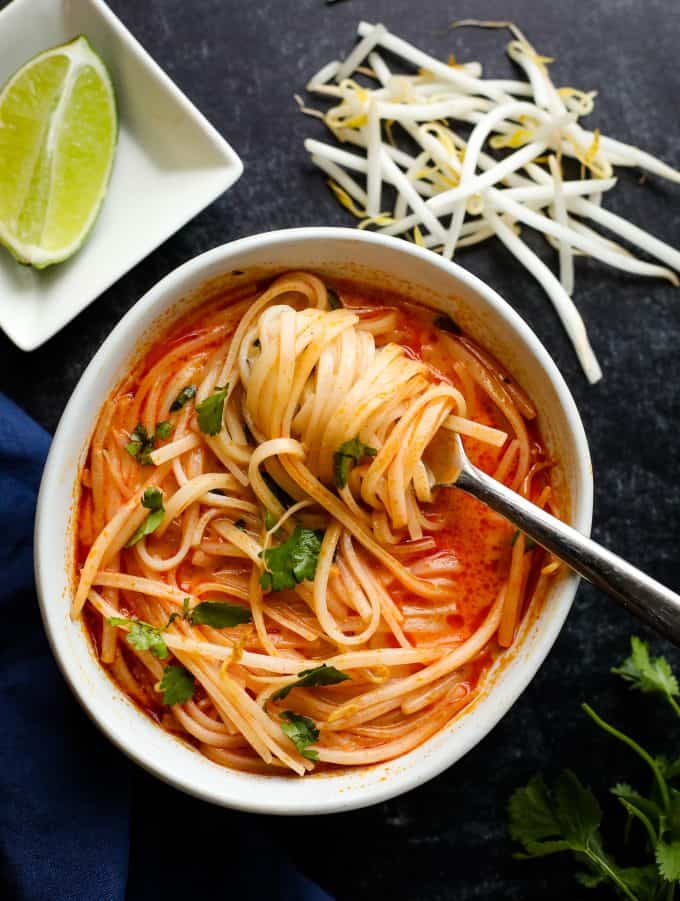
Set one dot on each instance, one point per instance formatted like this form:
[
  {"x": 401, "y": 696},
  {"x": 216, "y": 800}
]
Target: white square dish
[{"x": 170, "y": 164}]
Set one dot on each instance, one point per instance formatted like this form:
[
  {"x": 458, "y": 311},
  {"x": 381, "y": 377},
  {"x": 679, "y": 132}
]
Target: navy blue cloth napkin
[{"x": 78, "y": 821}]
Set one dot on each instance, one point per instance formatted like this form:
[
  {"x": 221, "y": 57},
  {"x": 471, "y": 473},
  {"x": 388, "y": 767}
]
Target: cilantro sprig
[
  {"x": 301, "y": 731},
  {"x": 211, "y": 410},
  {"x": 568, "y": 817},
  {"x": 185, "y": 395},
  {"x": 291, "y": 562},
  {"x": 649, "y": 674},
  {"x": 152, "y": 499},
  {"x": 308, "y": 678},
  {"x": 142, "y": 635},
  {"x": 347, "y": 456}
]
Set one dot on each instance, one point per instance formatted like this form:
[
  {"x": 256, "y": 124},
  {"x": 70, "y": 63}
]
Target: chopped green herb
[
  {"x": 164, "y": 430},
  {"x": 569, "y": 817},
  {"x": 140, "y": 445},
  {"x": 185, "y": 608},
  {"x": 177, "y": 685},
  {"x": 211, "y": 410},
  {"x": 219, "y": 615},
  {"x": 310, "y": 678},
  {"x": 334, "y": 302},
  {"x": 301, "y": 731},
  {"x": 446, "y": 324},
  {"x": 152, "y": 499},
  {"x": 240, "y": 524},
  {"x": 346, "y": 456},
  {"x": 292, "y": 561},
  {"x": 184, "y": 396},
  {"x": 171, "y": 619},
  {"x": 142, "y": 636}
]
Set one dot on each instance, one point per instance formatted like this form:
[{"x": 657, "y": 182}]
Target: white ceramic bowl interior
[{"x": 375, "y": 260}]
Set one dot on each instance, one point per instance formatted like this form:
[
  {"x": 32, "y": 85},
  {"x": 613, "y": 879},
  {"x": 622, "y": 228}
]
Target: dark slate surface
[{"x": 240, "y": 62}]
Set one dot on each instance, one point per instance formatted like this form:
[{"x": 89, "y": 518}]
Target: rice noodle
[
  {"x": 321, "y": 433},
  {"x": 452, "y": 176}
]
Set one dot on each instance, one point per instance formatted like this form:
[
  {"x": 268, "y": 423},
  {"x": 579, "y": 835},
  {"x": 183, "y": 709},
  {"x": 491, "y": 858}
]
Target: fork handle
[{"x": 644, "y": 597}]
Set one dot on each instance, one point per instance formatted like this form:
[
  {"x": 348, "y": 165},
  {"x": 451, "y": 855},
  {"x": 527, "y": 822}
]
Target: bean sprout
[{"x": 447, "y": 191}]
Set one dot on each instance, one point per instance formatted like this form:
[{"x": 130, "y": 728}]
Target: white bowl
[
  {"x": 372, "y": 258},
  {"x": 170, "y": 163}
]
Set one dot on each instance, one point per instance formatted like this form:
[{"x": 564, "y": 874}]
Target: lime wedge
[{"x": 58, "y": 129}]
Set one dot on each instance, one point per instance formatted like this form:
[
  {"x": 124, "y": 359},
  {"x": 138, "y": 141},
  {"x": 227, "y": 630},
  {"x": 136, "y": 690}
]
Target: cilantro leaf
[
  {"x": 447, "y": 324},
  {"x": 334, "y": 302},
  {"x": 164, "y": 429},
  {"x": 309, "y": 678},
  {"x": 219, "y": 615},
  {"x": 140, "y": 445},
  {"x": 177, "y": 685},
  {"x": 567, "y": 819},
  {"x": 346, "y": 456},
  {"x": 578, "y": 811},
  {"x": 531, "y": 813},
  {"x": 142, "y": 636},
  {"x": 667, "y": 856},
  {"x": 292, "y": 561},
  {"x": 649, "y": 674},
  {"x": 211, "y": 410},
  {"x": 152, "y": 499},
  {"x": 301, "y": 731},
  {"x": 185, "y": 395}
]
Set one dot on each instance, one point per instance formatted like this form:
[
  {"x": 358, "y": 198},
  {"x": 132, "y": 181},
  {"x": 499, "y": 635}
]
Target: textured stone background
[{"x": 240, "y": 62}]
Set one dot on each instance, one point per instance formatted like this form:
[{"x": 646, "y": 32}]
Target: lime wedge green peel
[{"x": 58, "y": 130}]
